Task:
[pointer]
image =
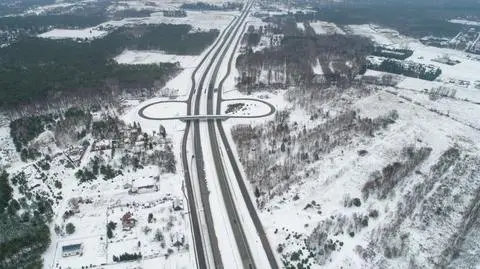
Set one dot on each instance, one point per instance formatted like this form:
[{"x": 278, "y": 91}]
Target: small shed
[{"x": 177, "y": 204}]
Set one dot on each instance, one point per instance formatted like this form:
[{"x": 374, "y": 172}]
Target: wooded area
[{"x": 36, "y": 68}]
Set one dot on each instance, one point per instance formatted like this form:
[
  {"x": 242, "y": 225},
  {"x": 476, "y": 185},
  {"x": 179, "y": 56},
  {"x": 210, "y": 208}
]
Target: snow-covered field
[
  {"x": 326, "y": 28},
  {"x": 139, "y": 5},
  {"x": 465, "y": 22},
  {"x": 317, "y": 68},
  {"x": 84, "y": 34},
  {"x": 462, "y": 77},
  {"x": 199, "y": 20},
  {"x": 166, "y": 110},
  {"x": 154, "y": 57},
  {"x": 325, "y": 184},
  {"x": 245, "y": 108}
]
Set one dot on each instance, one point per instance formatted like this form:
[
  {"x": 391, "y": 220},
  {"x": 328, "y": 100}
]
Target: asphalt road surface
[{"x": 208, "y": 255}]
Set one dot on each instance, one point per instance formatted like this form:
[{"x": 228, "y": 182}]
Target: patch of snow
[
  {"x": 317, "y": 68},
  {"x": 326, "y": 28},
  {"x": 465, "y": 22},
  {"x": 154, "y": 57},
  {"x": 87, "y": 33},
  {"x": 301, "y": 26},
  {"x": 166, "y": 110}
]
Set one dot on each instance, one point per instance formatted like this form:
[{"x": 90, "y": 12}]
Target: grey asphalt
[
  {"x": 229, "y": 202},
  {"x": 200, "y": 258},
  {"x": 238, "y": 175},
  {"x": 244, "y": 249},
  {"x": 272, "y": 111}
]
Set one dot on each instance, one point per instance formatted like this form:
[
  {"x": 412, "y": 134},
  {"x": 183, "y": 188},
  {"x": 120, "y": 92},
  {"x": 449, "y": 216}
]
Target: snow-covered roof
[
  {"x": 143, "y": 181},
  {"x": 73, "y": 247}
]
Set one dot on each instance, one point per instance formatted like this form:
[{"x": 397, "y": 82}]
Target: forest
[
  {"x": 36, "y": 68},
  {"x": 411, "y": 18}
]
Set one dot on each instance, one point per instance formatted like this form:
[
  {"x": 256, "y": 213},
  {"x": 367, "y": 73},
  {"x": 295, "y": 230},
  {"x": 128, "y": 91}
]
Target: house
[
  {"x": 127, "y": 186},
  {"x": 177, "y": 204},
  {"x": 144, "y": 184},
  {"x": 178, "y": 240},
  {"x": 101, "y": 145},
  {"x": 128, "y": 222},
  {"x": 72, "y": 250}
]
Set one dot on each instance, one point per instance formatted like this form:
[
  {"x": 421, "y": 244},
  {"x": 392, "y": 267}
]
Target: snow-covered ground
[
  {"x": 154, "y": 57},
  {"x": 245, "y": 108},
  {"x": 166, "y": 110},
  {"x": 465, "y": 22},
  {"x": 59, "y": 5},
  {"x": 326, "y": 28},
  {"x": 199, "y": 20},
  {"x": 109, "y": 202},
  {"x": 317, "y": 68},
  {"x": 462, "y": 77},
  {"x": 376, "y": 33},
  {"x": 342, "y": 173},
  {"x": 86, "y": 34},
  {"x": 301, "y": 26}
]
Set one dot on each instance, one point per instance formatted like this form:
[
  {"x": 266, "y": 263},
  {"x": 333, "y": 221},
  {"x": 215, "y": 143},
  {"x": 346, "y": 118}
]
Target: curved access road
[{"x": 272, "y": 111}]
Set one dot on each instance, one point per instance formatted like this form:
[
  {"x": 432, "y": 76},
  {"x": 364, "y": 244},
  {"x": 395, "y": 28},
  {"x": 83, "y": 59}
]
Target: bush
[
  {"x": 70, "y": 228},
  {"x": 373, "y": 214},
  {"x": 356, "y": 202},
  {"x": 58, "y": 184}
]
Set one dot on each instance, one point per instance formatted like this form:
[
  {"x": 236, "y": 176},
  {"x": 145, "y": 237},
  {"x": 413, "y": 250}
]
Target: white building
[
  {"x": 72, "y": 250},
  {"x": 144, "y": 184}
]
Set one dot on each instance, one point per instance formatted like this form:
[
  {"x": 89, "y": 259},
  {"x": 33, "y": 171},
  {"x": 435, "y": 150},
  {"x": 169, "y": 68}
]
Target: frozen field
[
  {"x": 85, "y": 34},
  {"x": 154, "y": 57},
  {"x": 326, "y": 28},
  {"x": 199, "y": 20}
]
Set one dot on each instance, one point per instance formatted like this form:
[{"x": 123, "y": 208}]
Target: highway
[
  {"x": 202, "y": 249},
  {"x": 236, "y": 226},
  {"x": 238, "y": 175},
  {"x": 206, "y": 171},
  {"x": 235, "y": 220}
]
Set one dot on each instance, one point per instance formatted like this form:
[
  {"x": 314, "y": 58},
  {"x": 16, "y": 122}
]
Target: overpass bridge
[{"x": 195, "y": 117}]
